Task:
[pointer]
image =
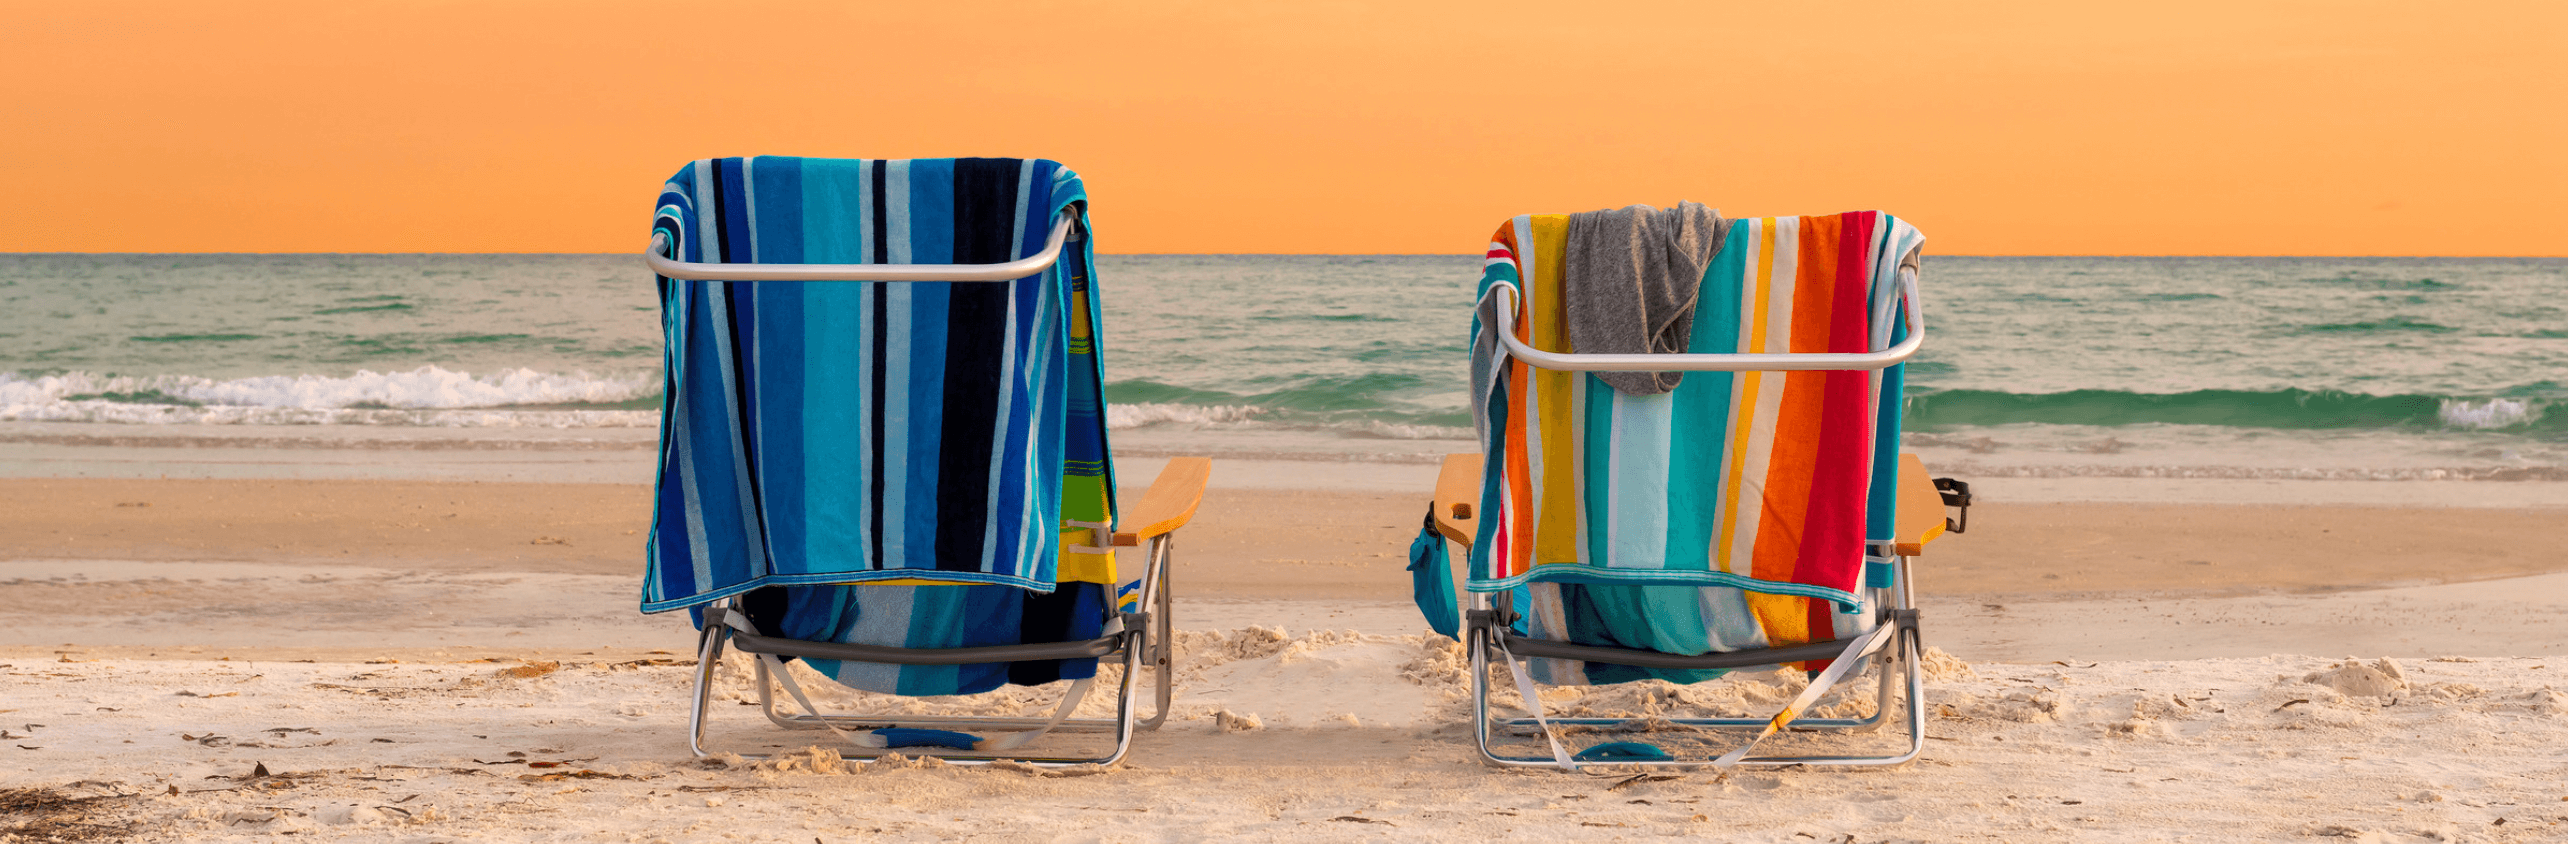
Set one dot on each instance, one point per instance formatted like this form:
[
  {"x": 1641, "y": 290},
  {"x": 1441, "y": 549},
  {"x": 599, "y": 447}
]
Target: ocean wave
[
  {"x": 1377, "y": 430},
  {"x": 2522, "y": 410},
  {"x": 425, "y": 397},
  {"x": 1251, "y": 417},
  {"x": 1144, "y": 414},
  {"x": 2488, "y": 415},
  {"x": 174, "y": 414},
  {"x": 1375, "y": 393},
  {"x": 428, "y": 387}
]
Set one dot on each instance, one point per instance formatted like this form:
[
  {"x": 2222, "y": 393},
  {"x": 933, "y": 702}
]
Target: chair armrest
[
  {"x": 1170, "y": 502},
  {"x": 1458, "y": 497},
  {"x": 1921, "y": 509}
]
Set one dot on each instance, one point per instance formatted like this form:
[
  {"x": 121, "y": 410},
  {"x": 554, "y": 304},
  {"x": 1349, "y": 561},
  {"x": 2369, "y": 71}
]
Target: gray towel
[{"x": 1630, "y": 277}]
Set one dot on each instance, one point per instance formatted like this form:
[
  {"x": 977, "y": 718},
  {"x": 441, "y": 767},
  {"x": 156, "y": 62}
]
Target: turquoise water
[{"x": 2388, "y": 364}]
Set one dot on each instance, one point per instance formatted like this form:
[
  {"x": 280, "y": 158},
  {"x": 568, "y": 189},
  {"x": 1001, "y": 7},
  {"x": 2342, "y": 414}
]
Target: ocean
[{"x": 2391, "y": 369}]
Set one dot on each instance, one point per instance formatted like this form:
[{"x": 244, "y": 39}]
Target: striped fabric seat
[
  {"x": 1730, "y": 513},
  {"x": 876, "y": 433}
]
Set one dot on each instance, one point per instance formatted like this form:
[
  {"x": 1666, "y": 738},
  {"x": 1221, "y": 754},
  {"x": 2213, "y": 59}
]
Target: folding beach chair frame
[
  {"x": 1489, "y": 633},
  {"x": 1136, "y": 638}
]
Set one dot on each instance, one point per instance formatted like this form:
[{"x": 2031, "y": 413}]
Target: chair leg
[
  {"x": 1162, "y": 642},
  {"x": 708, "y": 659}
]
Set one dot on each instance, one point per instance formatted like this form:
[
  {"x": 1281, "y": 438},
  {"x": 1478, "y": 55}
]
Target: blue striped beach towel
[
  {"x": 843, "y": 432},
  {"x": 914, "y": 464}
]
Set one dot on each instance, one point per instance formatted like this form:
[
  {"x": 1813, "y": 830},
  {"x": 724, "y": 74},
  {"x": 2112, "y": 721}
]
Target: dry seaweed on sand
[{"x": 53, "y": 814}]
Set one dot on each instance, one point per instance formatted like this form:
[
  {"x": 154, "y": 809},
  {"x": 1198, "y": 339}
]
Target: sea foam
[
  {"x": 425, "y": 387},
  {"x": 429, "y": 396},
  {"x": 2488, "y": 415}
]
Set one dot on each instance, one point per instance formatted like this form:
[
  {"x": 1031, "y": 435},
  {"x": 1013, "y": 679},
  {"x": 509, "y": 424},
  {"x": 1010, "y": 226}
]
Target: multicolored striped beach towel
[
  {"x": 1764, "y": 486},
  {"x": 877, "y": 433}
]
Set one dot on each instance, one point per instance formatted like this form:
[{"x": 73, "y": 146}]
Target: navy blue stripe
[
  {"x": 976, "y": 319},
  {"x": 733, "y": 206},
  {"x": 882, "y": 351}
]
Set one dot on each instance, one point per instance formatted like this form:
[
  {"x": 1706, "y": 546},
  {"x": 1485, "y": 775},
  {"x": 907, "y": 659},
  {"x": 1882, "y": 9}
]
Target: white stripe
[
  {"x": 1787, "y": 267},
  {"x": 900, "y": 302},
  {"x": 1879, "y": 280},
  {"x": 866, "y": 294},
  {"x": 866, "y": 297},
  {"x": 1749, "y": 508},
  {"x": 896, "y": 194},
  {"x": 708, "y": 213},
  {"x": 896, "y": 433},
  {"x": 749, "y": 190},
  {"x": 1024, "y": 197}
]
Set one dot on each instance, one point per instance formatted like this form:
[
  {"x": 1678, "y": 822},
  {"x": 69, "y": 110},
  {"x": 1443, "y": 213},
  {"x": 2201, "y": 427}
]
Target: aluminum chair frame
[
  {"x": 1143, "y": 640},
  {"x": 1900, "y": 652},
  {"x": 1489, "y": 632}
]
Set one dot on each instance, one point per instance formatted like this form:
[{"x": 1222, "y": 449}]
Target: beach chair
[
  {"x": 1757, "y": 515},
  {"x": 883, "y": 450}
]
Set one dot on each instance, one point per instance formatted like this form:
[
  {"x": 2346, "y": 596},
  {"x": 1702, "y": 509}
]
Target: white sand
[
  {"x": 2206, "y": 750},
  {"x": 1358, "y": 733},
  {"x": 2162, "y": 719}
]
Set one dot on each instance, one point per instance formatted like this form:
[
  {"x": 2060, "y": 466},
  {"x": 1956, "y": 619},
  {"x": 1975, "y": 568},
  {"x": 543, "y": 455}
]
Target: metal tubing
[
  {"x": 1083, "y": 649},
  {"x": 708, "y": 657},
  {"x": 1136, "y": 646},
  {"x": 1905, "y": 657},
  {"x": 1527, "y": 647},
  {"x": 1009, "y": 271},
  {"x": 811, "y": 722},
  {"x": 1162, "y": 640},
  {"x": 1741, "y": 362}
]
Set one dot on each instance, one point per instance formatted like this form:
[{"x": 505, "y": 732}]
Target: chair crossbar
[
  {"x": 1083, "y": 649},
  {"x": 1901, "y": 680},
  {"x": 1528, "y": 647},
  {"x": 1143, "y": 640}
]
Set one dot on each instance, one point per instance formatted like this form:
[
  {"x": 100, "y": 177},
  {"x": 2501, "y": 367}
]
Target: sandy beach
[{"x": 440, "y": 660}]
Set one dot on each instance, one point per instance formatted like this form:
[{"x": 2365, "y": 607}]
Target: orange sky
[{"x": 2336, "y": 128}]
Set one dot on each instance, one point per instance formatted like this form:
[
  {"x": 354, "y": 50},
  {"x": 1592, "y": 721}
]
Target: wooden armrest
[
  {"x": 1457, "y": 495},
  {"x": 1920, "y": 517},
  {"x": 1170, "y": 502}
]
